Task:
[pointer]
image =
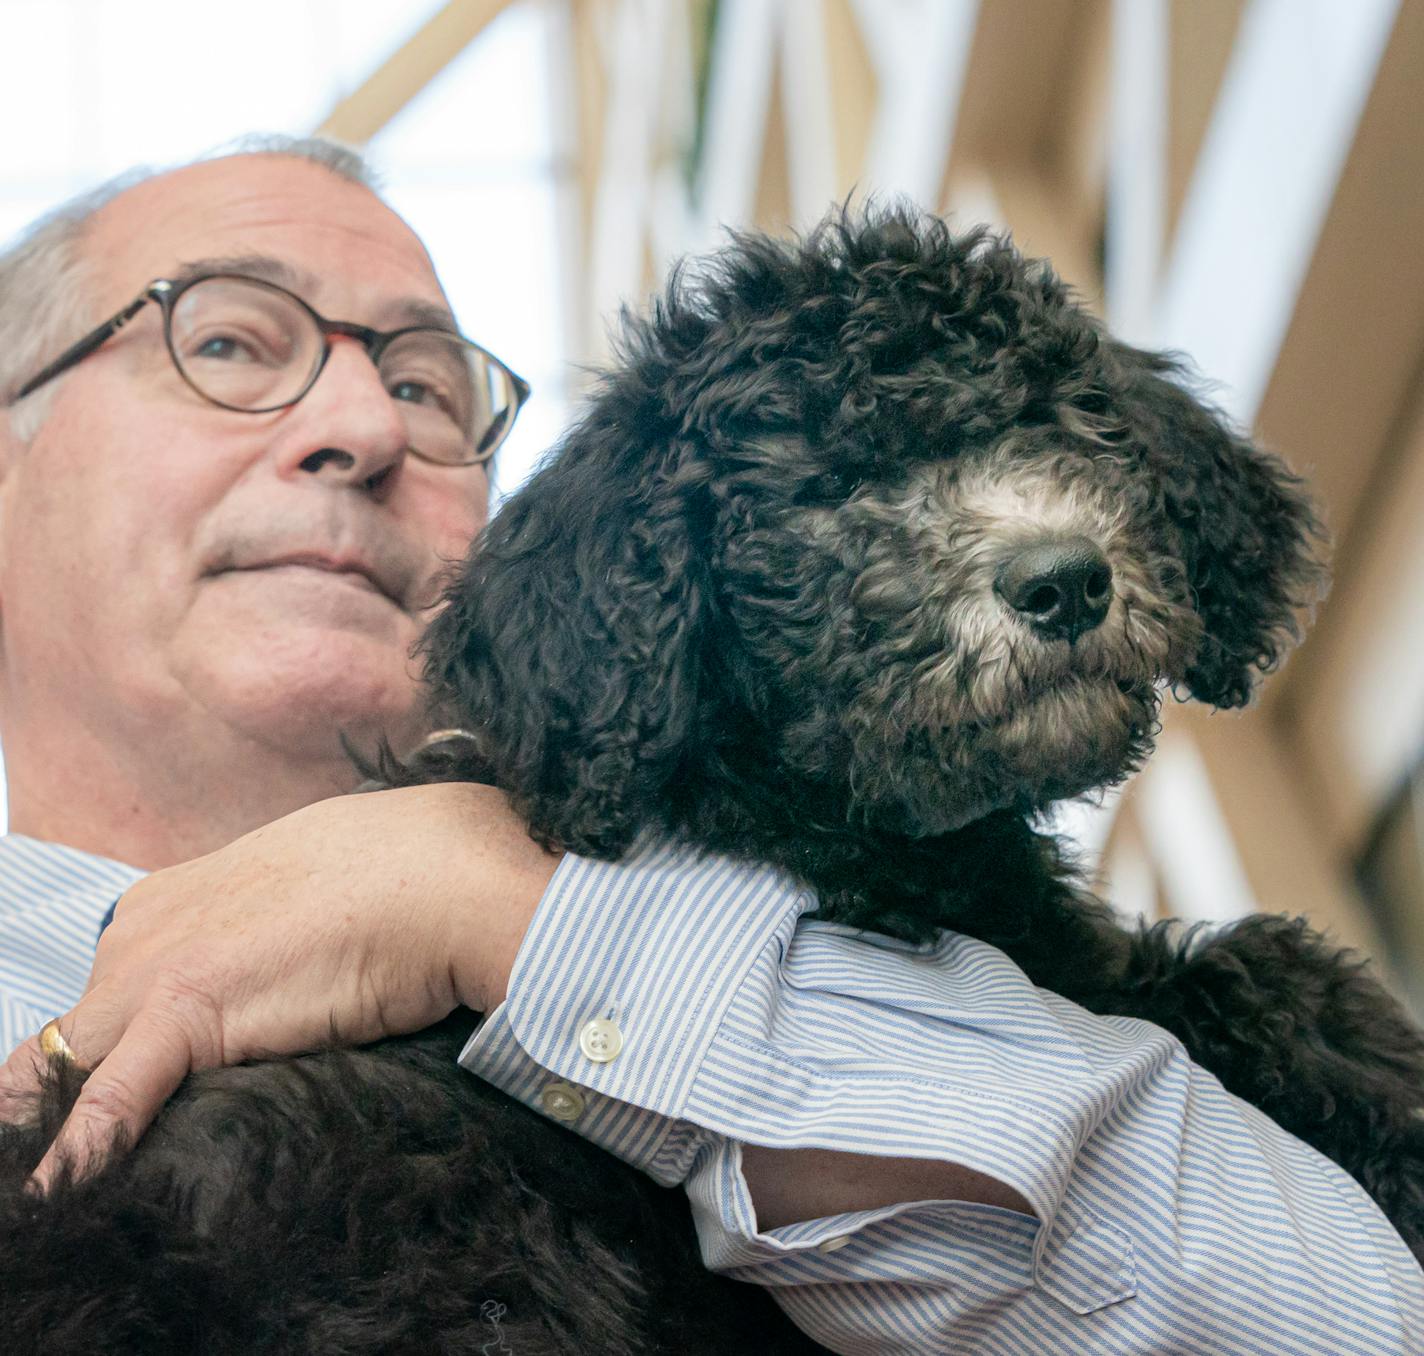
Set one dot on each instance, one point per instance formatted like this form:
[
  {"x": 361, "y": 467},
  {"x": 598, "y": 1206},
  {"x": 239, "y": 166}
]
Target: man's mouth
[
  {"x": 345, "y": 576},
  {"x": 350, "y": 572}
]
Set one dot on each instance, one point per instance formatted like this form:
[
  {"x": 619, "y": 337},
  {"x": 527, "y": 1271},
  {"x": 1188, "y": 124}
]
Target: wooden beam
[
  {"x": 409, "y": 69},
  {"x": 1075, "y": 138},
  {"x": 1219, "y": 825},
  {"x": 1356, "y": 712},
  {"x": 856, "y": 91},
  {"x": 772, "y": 210},
  {"x": 1343, "y": 403},
  {"x": 1274, "y": 823},
  {"x": 1033, "y": 212},
  {"x": 1028, "y": 133},
  {"x": 1014, "y": 81}
]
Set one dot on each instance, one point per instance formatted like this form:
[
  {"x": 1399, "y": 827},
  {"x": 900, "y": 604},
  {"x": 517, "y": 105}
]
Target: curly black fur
[
  {"x": 751, "y": 602},
  {"x": 371, "y": 1201}
]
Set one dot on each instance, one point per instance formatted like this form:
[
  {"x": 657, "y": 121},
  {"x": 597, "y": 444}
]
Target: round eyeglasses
[{"x": 249, "y": 345}]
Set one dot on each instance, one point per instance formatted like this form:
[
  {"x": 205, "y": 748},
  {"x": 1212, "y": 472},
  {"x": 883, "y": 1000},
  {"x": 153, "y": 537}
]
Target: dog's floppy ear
[
  {"x": 570, "y": 641},
  {"x": 1251, "y": 543}
]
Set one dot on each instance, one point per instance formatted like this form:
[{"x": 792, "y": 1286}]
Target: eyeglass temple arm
[
  {"x": 77, "y": 352},
  {"x": 494, "y": 435}
]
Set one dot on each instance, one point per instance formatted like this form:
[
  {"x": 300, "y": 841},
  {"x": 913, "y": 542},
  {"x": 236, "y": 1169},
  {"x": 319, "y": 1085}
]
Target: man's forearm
[{"x": 790, "y": 1186}]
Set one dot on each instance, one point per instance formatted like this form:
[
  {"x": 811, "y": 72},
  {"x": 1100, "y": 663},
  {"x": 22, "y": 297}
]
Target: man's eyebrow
[
  {"x": 412, "y": 311},
  {"x": 267, "y": 267},
  {"x": 402, "y": 312}
]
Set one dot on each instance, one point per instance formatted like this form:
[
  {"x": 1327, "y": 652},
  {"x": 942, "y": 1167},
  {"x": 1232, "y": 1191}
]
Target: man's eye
[
  {"x": 225, "y": 348},
  {"x": 417, "y": 392}
]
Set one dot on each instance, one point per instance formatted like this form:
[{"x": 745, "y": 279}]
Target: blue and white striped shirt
[
  {"x": 1170, "y": 1217},
  {"x": 53, "y": 902},
  {"x": 1174, "y": 1217}
]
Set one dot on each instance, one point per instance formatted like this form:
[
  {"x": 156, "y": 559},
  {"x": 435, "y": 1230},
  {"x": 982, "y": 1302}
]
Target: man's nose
[{"x": 352, "y": 430}]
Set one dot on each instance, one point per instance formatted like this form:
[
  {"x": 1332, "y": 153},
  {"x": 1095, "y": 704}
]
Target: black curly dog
[{"x": 872, "y": 547}]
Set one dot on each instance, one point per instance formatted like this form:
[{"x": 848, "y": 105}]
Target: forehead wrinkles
[{"x": 302, "y": 215}]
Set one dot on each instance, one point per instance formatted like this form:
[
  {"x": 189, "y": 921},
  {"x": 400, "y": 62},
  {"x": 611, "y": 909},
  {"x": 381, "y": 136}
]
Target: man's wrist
[
  {"x": 513, "y": 908},
  {"x": 491, "y": 883}
]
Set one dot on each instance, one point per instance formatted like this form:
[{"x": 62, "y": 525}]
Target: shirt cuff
[{"x": 622, "y": 964}]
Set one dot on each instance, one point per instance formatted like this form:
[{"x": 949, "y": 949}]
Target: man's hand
[{"x": 355, "y": 918}]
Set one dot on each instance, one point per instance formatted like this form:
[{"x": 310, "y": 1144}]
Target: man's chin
[
  {"x": 301, "y": 595},
  {"x": 299, "y": 691}
]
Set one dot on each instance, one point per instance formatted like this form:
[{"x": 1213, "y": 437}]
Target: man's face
[{"x": 165, "y": 563}]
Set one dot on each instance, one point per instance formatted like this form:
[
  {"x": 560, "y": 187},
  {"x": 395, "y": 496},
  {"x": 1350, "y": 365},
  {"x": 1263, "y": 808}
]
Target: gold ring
[{"x": 54, "y": 1046}]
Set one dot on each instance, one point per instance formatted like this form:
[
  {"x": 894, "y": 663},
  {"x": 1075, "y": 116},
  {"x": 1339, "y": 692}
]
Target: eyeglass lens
[{"x": 252, "y": 347}]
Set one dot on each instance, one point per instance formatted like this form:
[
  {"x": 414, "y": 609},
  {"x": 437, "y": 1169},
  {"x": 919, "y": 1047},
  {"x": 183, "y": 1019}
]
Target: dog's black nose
[{"x": 1061, "y": 588}]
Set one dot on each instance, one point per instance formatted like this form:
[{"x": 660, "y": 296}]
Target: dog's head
[{"x": 877, "y": 528}]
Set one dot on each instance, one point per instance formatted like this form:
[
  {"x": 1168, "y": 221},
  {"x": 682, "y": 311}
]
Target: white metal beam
[
  {"x": 920, "y": 51},
  {"x": 1137, "y": 165},
  {"x": 1189, "y": 837},
  {"x": 738, "y": 99},
  {"x": 1282, "y": 128},
  {"x": 409, "y": 69},
  {"x": 633, "y": 47},
  {"x": 810, "y": 111}
]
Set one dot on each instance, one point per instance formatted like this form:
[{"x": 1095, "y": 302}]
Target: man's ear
[
  {"x": 1252, "y": 545},
  {"x": 570, "y": 644},
  {"x": 10, "y": 444},
  {"x": 11, "y": 449}
]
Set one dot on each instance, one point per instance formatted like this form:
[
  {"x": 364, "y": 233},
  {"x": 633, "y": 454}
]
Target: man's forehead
[{"x": 331, "y": 241}]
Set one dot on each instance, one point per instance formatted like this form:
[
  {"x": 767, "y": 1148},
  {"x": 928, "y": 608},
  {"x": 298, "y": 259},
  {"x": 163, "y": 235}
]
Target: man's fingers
[
  {"x": 20, "y": 1079},
  {"x": 88, "y": 1031},
  {"x": 54, "y": 1046},
  {"x": 122, "y": 1096},
  {"x": 20, "y": 1074}
]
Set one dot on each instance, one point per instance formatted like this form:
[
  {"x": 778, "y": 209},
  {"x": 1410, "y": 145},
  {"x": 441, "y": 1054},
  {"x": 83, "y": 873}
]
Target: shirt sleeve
[
  {"x": 53, "y": 903},
  {"x": 676, "y": 1006}
]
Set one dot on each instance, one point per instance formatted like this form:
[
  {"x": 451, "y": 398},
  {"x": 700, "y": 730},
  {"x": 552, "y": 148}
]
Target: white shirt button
[
  {"x": 562, "y": 1101},
  {"x": 833, "y": 1244},
  {"x": 601, "y": 1040}
]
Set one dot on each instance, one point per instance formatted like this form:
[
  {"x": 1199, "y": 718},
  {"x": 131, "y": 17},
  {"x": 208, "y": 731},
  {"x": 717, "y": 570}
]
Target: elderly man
[{"x": 222, "y": 515}]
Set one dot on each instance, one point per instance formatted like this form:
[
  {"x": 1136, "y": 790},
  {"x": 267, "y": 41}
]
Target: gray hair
[{"x": 47, "y": 297}]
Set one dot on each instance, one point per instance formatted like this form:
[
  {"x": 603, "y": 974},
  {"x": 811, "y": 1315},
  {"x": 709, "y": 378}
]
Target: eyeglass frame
[{"x": 166, "y": 292}]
